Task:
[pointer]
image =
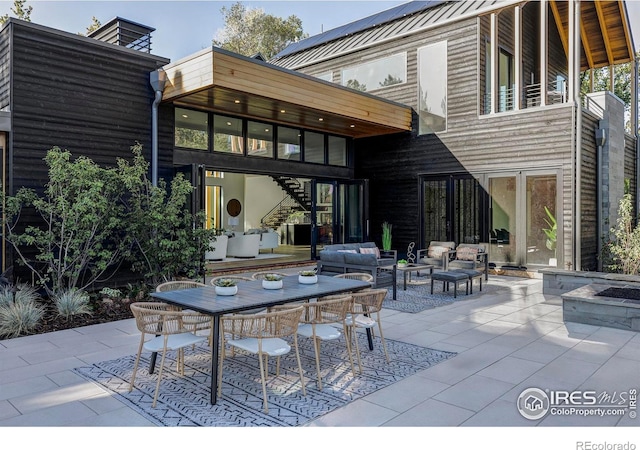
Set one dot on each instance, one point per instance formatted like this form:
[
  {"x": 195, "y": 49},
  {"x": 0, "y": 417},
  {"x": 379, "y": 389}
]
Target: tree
[
  {"x": 355, "y": 84},
  {"x": 78, "y": 240},
  {"x": 249, "y": 31},
  {"x": 19, "y": 10},
  {"x": 95, "y": 24},
  {"x": 167, "y": 240}
]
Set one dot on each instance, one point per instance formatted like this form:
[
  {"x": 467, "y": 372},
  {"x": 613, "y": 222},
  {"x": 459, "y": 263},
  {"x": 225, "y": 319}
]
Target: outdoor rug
[
  {"x": 418, "y": 295},
  {"x": 185, "y": 401}
]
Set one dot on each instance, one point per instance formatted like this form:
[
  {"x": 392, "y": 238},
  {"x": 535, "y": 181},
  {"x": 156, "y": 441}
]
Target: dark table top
[{"x": 252, "y": 295}]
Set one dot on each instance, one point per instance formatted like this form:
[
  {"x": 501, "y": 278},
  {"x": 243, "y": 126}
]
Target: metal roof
[
  {"x": 392, "y": 23},
  {"x": 606, "y": 35}
]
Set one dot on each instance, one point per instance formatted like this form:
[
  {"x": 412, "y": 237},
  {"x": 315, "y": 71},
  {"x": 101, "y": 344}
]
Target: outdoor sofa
[{"x": 360, "y": 257}]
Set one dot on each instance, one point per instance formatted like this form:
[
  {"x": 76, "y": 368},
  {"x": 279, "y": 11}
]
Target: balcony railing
[{"x": 531, "y": 94}]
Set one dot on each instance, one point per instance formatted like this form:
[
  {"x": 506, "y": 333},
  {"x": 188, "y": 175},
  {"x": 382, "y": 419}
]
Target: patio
[{"x": 507, "y": 339}]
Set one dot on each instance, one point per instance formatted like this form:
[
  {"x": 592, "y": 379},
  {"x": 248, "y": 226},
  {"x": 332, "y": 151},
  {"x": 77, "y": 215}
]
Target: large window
[
  {"x": 227, "y": 135},
  {"x": 289, "y": 143},
  {"x": 191, "y": 130},
  {"x": 432, "y": 88},
  {"x": 337, "y": 151},
  {"x": 376, "y": 74},
  {"x": 259, "y": 139},
  {"x": 313, "y": 147}
]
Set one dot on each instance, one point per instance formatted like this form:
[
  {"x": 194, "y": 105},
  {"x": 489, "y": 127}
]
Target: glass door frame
[
  {"x": 521, "y": 177},
  {"x": 339, "y": 218},
  {"x": 451, "y": 226}
]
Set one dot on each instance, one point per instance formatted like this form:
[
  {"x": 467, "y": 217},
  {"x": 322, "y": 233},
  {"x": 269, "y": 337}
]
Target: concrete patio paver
[{"x": 507, "y": 341}]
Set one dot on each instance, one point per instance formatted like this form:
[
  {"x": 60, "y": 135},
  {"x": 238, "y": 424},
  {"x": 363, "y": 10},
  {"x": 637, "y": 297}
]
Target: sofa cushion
[
  {"x": 347, "y": 251},
  {"x": 355, "y": 247},
  {"x": 370, "y": 251},
  {"x": 436, "y": 251},
  {"x": 329, "y": 256},
  {"x": 360, "y": 259},
  {"x": 334, "y": 247},
  {"x": 467, "y": 253}
]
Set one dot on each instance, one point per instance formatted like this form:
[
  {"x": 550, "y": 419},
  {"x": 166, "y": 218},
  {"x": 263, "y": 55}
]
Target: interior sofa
[
  {"x": 269, "y": 239},
  {"x": 359, "y": 257},
  {"x": 243, "y": 246}
]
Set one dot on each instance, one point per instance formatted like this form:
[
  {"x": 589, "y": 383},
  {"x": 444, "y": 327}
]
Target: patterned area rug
[
  {"x": 418, "y": 295},
  {"x": 184, "y": 401}
]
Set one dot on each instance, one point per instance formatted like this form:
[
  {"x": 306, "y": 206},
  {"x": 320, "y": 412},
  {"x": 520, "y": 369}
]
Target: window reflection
[
  {"x": 227, "y": 135},
  {"x": 259, "y": 139},
  {"x": 191, "y": 129}
]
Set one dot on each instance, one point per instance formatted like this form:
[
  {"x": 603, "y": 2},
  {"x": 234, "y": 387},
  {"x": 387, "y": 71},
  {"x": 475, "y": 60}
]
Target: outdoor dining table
[{"x": 251, "y": 295}]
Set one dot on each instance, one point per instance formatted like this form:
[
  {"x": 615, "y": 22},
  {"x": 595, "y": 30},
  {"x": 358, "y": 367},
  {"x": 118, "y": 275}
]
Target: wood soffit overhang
[
  {"x": 224, "y": 82},
  {"x": 605, "y": 34}
]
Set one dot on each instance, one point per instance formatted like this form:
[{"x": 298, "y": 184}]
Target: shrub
[
  {"x": 72, "y": 302},
  {"x": 19, "y": 318},
  {"x": 625, "y": 250},
  {"x": 20, "y": 311}
]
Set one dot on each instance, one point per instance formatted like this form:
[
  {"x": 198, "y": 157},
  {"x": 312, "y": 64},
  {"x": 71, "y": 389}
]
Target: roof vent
[{"x": 126, "y": 33}]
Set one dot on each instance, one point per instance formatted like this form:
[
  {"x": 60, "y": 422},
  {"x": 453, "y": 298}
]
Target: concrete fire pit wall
[{"x": 560, "y": 281}]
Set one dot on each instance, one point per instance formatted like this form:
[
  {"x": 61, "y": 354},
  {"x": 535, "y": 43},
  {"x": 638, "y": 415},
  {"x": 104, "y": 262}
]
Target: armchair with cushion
[
  {"x": 469, "y": 256},
  {"x": 436, "y": 254}
]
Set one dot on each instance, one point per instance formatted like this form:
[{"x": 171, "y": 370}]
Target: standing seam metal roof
[{"x": 403, "y": 19}]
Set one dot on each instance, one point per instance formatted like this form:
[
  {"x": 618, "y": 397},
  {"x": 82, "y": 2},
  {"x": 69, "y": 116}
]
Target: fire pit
[{"x": 604, "y": 305}]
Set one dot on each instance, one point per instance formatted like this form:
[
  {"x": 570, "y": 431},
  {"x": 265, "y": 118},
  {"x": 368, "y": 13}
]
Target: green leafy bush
[
  {"x": 386, "y": 236},
  {"x": 624, "y": 251}
]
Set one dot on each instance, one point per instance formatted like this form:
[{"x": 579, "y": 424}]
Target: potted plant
[
  {"x": 552, "y": 235},
  {"x": 386, "y": 236},
  {"x": 402, "y": 263},
  {"x": 226, "y": 286},
  {"x": 272, "y": 281},
  {"x": 307, "y": 277}
]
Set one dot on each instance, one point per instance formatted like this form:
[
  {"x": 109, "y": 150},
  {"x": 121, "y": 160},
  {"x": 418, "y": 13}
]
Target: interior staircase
[{"x": 298, "y": 199}]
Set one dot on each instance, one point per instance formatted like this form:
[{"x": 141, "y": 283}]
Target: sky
[{"x": 185, "y": 27}]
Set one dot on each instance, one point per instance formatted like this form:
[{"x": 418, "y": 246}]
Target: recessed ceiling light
[
  {"x": 282, "y": 111},
  {"x": 229, "y": 123},
  {"x": 266, "y": 129},
  {"x": 352, "y": 126},
  {"x": 320, "y": 119},
  {"x": 236, "y": 101},
  {"x": 185, "y": 116}
]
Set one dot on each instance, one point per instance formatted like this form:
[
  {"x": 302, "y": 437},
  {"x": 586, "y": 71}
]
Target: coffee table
[{"x": 406, "y": 270}]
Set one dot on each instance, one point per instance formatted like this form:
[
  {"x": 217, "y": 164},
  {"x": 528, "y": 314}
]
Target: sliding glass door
[
  {"x": 452, "y": 209},
  {"x": 523, "y": 211},
  {"x": 338, "y": 214}
]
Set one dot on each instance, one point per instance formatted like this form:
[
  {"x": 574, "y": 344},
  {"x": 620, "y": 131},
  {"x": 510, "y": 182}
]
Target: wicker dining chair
[
  {"x": 195, "y": 322},
  {"x": 366, "y": 303},
  {"x": 318, "y": 323},
  {"x": 360, "y": 276},
  {"x": 260, "y": 275},
  {"x": 167, "y": 326},
  {"x": 263, "y": 335}
]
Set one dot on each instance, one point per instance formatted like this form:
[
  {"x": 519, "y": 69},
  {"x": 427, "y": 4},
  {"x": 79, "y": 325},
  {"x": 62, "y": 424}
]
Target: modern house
[
  {"x": 451, "y": 120},
  {"x": 500, "y": 133}
]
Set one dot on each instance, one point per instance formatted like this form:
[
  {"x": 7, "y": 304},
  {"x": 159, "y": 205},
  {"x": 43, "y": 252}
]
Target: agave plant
[
  {"x": 226, "y": 282},
  {"x": 272, "y": 277}
]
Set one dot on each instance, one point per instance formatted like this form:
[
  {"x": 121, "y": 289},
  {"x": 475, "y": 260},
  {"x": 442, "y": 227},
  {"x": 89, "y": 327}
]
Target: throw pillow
[
  {"x": 436, "y": 251},
  {"x": 466, "y": 253},
  {"x": 370, "y": 251},
  {"x": 347, "y": 251}
]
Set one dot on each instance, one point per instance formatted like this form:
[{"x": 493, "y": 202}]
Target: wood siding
[
  {"x": 535, "y": 138},
  {"x": 5, "y": 69},
  {"x": 588, "y": 199},
  {"x": 91, "y": 98}
]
